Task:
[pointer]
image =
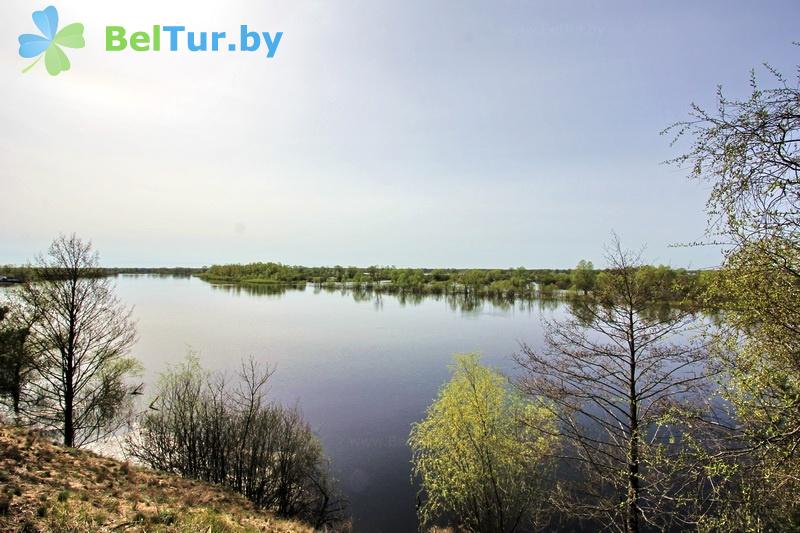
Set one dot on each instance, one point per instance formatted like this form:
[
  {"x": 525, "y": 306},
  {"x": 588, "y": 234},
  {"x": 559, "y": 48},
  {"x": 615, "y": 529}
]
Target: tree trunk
[
  {"x": 633, "y": 484},
  {"x": 69, "y": 429},
  {"x": 69, "y": 402},
  {"x": 15, "y": 398},
  {"x": 632, "y": 522},
  {"x": 69, "y": 371}
]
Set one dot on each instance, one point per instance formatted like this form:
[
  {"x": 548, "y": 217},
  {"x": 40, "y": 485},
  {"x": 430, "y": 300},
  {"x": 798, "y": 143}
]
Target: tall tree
[
  {"x": 81, "y": 337},
  {"x": 583, "y": 276},
  {"x": 477, "y": 456},
  {"x": 749, "y": 151},
  {"x": 612, "y": 373}
]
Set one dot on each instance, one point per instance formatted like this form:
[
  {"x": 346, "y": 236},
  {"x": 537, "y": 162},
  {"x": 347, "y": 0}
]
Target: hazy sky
[{"x": 414, "y": 133}]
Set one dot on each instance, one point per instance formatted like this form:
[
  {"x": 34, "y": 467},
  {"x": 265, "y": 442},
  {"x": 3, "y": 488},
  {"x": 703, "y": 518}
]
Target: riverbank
[{"x": 44, "y": 487}]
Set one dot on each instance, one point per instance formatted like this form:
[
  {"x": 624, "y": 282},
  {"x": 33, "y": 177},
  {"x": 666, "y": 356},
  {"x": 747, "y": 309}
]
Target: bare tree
[
  {"x": 80, "y": 334},
  {"x": 203, "y": 427},
  {"x": 612, "y": 373}
]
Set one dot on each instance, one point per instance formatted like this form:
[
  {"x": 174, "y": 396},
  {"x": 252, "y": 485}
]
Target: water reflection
[
  {"x": 463, "y": 303},
  {"x": 257, "y": 289}
]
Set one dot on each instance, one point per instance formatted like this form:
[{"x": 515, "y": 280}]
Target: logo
[
  {"x": 177, "y": 38},
  {"x": 50, "y": 42}
]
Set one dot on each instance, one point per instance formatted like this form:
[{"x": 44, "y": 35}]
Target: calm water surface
[{"x": 361, "y": 369}]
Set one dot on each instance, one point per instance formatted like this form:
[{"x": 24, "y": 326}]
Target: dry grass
[{"x": 46, "y": 488}]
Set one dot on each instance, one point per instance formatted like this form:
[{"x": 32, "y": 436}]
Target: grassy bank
[{"x": 44, "y": 487}]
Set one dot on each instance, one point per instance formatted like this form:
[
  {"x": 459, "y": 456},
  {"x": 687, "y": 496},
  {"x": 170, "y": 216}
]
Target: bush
[
  {"x": 477, "y": 455},
  {"x": 206, "y": 429}
]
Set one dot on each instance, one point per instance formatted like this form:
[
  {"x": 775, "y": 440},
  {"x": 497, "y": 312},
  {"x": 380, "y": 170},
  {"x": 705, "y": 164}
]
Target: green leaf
[
  {"x": 71, "y": 36},
  {"x": 55, "y": 60}
]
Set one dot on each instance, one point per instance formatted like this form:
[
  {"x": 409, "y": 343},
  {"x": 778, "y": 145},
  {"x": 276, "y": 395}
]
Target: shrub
[
  {"x": 207, "y": 430},
  {"x": 476, "y": 454}
]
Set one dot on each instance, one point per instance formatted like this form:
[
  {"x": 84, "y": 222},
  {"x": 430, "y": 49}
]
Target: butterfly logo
[{"x": 50, "y": 41}]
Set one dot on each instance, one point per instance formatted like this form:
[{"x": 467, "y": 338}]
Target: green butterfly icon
[{"x": 51, "y": 41}]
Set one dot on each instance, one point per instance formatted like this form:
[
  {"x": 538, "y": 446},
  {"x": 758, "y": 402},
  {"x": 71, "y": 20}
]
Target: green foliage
[
  {"x": 760, "y": 348},
  {"x": 508, "y": 284},
  {"x": 583, "y": 277},
  {"x": 477, "y": 455},
  {"x": 748, "y": 151}
]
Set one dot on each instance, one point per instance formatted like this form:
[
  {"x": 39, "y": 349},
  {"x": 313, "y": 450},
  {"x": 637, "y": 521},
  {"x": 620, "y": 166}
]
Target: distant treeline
[
  {"x": 26, "y": 273},
  {"x": 669, "y": 283},
  {"x": 164, "y": 271}
]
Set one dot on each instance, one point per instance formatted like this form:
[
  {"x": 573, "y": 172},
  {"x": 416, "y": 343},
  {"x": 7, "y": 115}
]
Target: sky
[{"x": 414, "y": 133}]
